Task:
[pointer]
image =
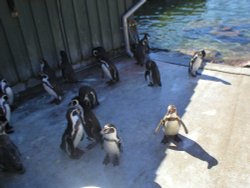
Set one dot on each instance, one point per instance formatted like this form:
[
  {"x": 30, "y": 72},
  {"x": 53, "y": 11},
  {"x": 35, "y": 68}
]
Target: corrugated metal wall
[{"x": 44, "y": 27}]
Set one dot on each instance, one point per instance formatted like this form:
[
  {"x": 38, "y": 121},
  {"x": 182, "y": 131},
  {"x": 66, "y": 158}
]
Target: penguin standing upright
[
  {"x": 88, "y": 97},
  {"x": 68, "y": 72},
  {"x": 153, "y": 73},
  {"x": 142, "y": 50},
  {"x": 6, "y": 89},
  {"x": 196, "y": 62},
  {"x": 5, "y": 107},
  {"x": 108, "y": 68},
  {"x": 10, "y": 157},
  {"x": 73, "y": 134},
  {"x": 46, "y": 69},
  {"x": 53, "y": 88},
  {"x": 171, "y": 123},
  {"x": 112, "y": 144},
  {"x": 4, "y": 124},
  {"x": 91, "y": 124}
]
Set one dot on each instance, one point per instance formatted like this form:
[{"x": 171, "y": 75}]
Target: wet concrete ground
[{"x": 214, "y": 106}]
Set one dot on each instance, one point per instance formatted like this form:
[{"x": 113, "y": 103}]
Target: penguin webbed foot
[
  {"x": 116, "y": 161},
  {"x": 55, "y": 101},
  {"x": 177, "y": 138},
  {"x": 197, "y": 73},
  {"x": 165, "y": 140},
  {"x": 90, "y": 146},
  {"x": 77, "y": 154},
  {"x": 106, "y": 160},
  {"x": 110, "y": 82},
  {"x": 150, "y": 84},
  {"x": 9, "y": 129}
]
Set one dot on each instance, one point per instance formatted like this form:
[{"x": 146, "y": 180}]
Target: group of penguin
[{"x": 81, "y": 121}]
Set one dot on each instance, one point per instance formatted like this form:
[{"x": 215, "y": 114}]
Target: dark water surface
[{"x": 184, "y": 25}]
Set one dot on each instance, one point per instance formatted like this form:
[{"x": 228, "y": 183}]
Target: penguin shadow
[
  {"x": 214, "y": 79},
  {"x": 194, "y": 149}
]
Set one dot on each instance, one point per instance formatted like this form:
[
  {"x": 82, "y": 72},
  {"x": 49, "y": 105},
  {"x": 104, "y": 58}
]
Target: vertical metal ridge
[
  {"x": 77, "y": 31},
  {"x": 110, "y": 23},
  {"x": 36, "y": 31},
  {"x": 87, "y": 12},
  {"x": 11, "y": 53},
  {"x": 51, "y": 31}
]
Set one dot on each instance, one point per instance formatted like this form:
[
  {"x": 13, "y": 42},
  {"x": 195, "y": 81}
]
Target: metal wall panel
[{"x": 44, "y": 27}]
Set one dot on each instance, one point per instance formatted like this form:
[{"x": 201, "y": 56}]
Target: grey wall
[{"x": 44, "y": 27}]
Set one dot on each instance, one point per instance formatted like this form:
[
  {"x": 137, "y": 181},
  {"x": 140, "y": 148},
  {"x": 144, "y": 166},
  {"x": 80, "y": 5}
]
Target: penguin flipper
[{"x": 147, "y": 72}]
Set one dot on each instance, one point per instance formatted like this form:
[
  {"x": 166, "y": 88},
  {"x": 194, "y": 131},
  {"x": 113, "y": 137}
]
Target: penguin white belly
[
  {"x": 105, "y": 68},
  {"x": 111, "y": 147},
  {"x": 79, "y": 136},
  {"x": 50, "y": 90},
  {"x": 196, "y": 64},
  {"x": 171, "y": 128},
  {"x": 10, "y": 95}
]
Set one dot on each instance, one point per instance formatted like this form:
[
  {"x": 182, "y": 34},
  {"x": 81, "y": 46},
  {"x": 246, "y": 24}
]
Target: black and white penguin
[
  {"x": 6, "y": 89},
  {"x": 112, "y": 144},
  {"x": 196, "y": 62},
  {"x": 53, "y": 88},
  {"x": 46, "y": 69},
  {"x": 171, "y": 124},
  {"x": 5, "y": 107},
  {"x": 108, "y": 68},
  {"x": 152, "y": 73},
  {"x": 142, "y": 51},
  {"x": 73, "y": 134},
  {"x": 10, "y": 157},
  {"x": 88, "y": 97},
  {"x": 68, "y": 72},
  {"x": 4, "y": 124},
  {"x": 91, "y": 124}
]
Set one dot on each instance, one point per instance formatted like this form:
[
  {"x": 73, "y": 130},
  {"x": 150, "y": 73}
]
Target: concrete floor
[{"x": 215, "y": 153}]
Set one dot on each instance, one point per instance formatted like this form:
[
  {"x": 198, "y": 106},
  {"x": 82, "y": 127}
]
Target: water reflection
[{"x": 222, "y": 25}]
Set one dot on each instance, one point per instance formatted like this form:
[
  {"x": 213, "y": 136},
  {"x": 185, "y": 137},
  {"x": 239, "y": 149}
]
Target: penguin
[
  {"x": 100, "y": 53},
  {"x": 88, "y": 96},
  {"x": 46, "y": 69},
  {"x": 142, "y": 50},
  {"x": 112, "y": 144},
  {"x": 108, "y": 68},
  {"x": 196, "y": 62},
  {"x": 68, "y": 72},
  {"x": 53, "y": 88},
  {"x": 5, "y": 107},
  {"x": 153, "y": 73},
  {"x": 6, "y": 89},
  {"x": 91, "y": 124},
  {"x": 4, "y": 124},
  {"x": 73, "y": 134},
  {"x": 171, "y": 124},
  {"x": 10, "y": 156}
]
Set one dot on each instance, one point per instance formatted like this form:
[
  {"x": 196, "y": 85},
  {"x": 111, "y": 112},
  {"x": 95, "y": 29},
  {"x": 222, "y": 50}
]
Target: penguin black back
[
  {"x": 68, "y": 72},
  {"x": 46, "y": 69}
]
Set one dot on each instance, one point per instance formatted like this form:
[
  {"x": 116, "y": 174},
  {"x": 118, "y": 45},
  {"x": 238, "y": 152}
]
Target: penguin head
[
  {"x": 44, "y": 77},
  {"x": 43, "y": 62},
  {"x": 3, "y": 84},
  {"x": 4, "y": 97},
  {"x": 74, "y": 102},
  {"x": 63, "y": 54},
  {"x": 73, "y": 114},
  {"x": 202, "y": 53},
  {"x": 171, "y": 109},
  {"x": 108, "y": 129}
]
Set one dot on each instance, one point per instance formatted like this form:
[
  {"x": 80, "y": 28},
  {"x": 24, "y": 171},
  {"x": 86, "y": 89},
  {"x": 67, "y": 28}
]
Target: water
[{"x": 183, "y": 25}]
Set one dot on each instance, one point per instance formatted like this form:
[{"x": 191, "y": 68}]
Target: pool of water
[{"x": 183, "y": 25}]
